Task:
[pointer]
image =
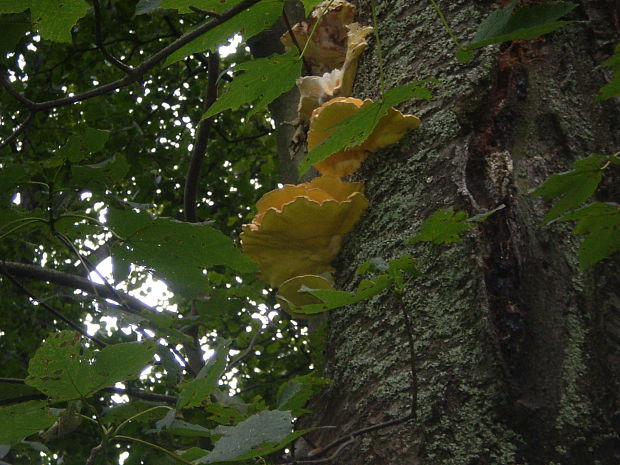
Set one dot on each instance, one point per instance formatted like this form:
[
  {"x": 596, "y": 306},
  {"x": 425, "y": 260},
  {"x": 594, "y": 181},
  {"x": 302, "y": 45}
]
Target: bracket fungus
[
  {"x": 299, "y": 228},
  {"x": 326, "y": 47},
  {"x": 316, "y": 90},
  {"x": 389, "y": 130}
]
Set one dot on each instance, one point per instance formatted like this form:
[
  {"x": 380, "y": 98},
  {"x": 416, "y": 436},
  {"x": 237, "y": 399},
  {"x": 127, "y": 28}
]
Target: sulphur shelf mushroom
[
  {"x": 291, "y": 292},
  {"x": 326, "y": 49},
  {"x": 316, "y": 90},
  {"x": 298, "y": 229},
  {"x": 389, "y": 130}
]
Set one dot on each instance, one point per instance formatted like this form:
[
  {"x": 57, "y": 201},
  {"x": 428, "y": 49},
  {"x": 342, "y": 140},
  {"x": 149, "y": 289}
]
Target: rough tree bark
[{"x": 517, "y": 350}]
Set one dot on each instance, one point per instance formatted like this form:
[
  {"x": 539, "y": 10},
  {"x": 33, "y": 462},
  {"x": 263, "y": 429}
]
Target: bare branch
[
  {"x": 344, "y": 441},
  {"x": 307, "y": 67},
  {"x": 200, "y": 143},
  {"x": 138, "y": 394},
  {"x": 18, "y": 130},
  {"x": 99, "y": 39},
  {"x": 52, "y": 310},
  {"x": 4, "y": 82},
  {"x": 38, "y": 273},
  {"x": 336, "y": 453}
]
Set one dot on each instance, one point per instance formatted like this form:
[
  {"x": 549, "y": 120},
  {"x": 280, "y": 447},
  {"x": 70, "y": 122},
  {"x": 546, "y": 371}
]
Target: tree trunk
[{"x": 517, "y": 351}]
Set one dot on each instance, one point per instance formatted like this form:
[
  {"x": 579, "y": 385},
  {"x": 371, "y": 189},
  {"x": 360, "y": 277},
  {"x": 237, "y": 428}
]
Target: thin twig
[
  {"x": 201, "y": 57},
  {"x": 249, "y": 348},
  {"x": 200, "y": 143},
  {"x": 4, "y": 82},
  {"x": 378, "y": 49},
  {"x": 223, "y": 135},
  {"x": 99, "y": 39},
  {"x": 144, "y": 395},
  {"x": 18, "y": 130},
  {"x": 93, "y": 454},
  {"x": 294, "y": 39},
  {"x": 443, "y": 19},
  {"x": 51, "y": 309},
  {"x": 336, "y": 453},
  {"x": 312, "y": 458}
]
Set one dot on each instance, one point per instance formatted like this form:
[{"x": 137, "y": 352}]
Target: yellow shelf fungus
[
  {"x": 299, "y": 229},
  {"x": 389, "y": 130},
  {"x": 326, "y": 49}
]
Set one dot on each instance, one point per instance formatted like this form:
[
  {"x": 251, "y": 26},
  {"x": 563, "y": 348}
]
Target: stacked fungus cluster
[{"x": 299, "y": 229}]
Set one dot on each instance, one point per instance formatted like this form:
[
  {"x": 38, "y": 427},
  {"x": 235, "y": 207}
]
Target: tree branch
[
  {"x": 144, "y": 395},
  {"x": 18, "y": 130},
  {"x": 200, "y": 142},
  {"x": 99, "y": 39},
  {"x": 38, "y": 273},
  {"x": 136, "y": 73},
  {"x": 52, "y": 310},
  {"x": 307, "y": 67},
  {"x": 345, "y": 441}
]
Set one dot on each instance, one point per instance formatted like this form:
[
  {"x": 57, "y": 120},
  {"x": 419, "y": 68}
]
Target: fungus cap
[
  {"x": 299, "y": 231},
  {"x": 326, "y": 50},
  {"x": 316, "y": 90},
  {"x": 389, "y": 130}
]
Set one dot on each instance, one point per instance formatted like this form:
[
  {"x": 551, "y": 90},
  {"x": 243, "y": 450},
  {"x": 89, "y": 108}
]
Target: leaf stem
[
  {"x": 24, "y": 223},
  {"x": 155, "y": 446},
  {"x": 375, "y": 24},
  {"x": 446, "y": 25},
  {"x": 148, "y": 410},
  {"x": 318, "y": 21}
]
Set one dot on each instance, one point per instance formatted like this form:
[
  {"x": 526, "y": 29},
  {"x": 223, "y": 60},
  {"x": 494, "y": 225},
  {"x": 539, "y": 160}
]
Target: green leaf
[
  {"x": 184, "y": 428},
  {"x": 14, "y": 6},
  {"x": 400, "y": 268},
  {"x": 183, "y": 6},
  {"x": 294, "y": 394},
  {"x": 309, "y": 5},
  {"x": 262, "y": 81},
  {"x": 177, "y": 251},
  {"x": 572, "y": 187},
  {"x": 13, "y": 28},
  {"x": 14, "y": 391},
  {"x": 145, "y": 7},
  {"x": 333, "y": 299},
  {"x": 355, "y": 130},
  {"x": 443, "y": 227},
  {"x": 194, "y": 393},
  {"x": 100, "y": 175},
  {"x": 79, "y": 146},
  {"x": 612, "y": 88},
  {"x": 464, "y": 55},
  {"x": 601, "y": 224},
  {"x": 251, "y": 438},
  {"x": 527, "y": 23},
  {"x": 248, "y": 23},
  {"x": 21, "y": 420},
  {"x": 63, "y": 369},
  {"x": 54, "y": 19}
]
